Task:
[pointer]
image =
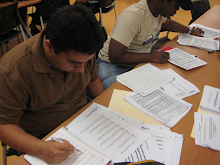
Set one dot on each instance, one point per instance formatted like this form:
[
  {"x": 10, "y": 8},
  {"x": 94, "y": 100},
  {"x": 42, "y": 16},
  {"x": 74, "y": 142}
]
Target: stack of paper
[
  {"x": 144, "y": 79},
  {"x": 198, "y": 42},
  {"x": 210, "y": 99},
  {"x": 184, "y": 60},
  {"x": 207, "y": 130},
  {"x": 163, "y": 107},
  {"x": 162, "y": 145},
  {"x": 208, "y": 32}
]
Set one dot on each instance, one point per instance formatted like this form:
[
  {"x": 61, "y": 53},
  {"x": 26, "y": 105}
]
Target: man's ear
[{"x": 48, "y": 46}]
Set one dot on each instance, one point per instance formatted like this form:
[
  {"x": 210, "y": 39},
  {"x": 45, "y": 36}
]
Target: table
[
  {"x": 24, "y": 3},
  {"x": 205, "y": 75}
]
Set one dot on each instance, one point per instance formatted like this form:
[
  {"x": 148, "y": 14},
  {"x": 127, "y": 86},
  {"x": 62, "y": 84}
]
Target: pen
[{"x": 60, "y": 141}]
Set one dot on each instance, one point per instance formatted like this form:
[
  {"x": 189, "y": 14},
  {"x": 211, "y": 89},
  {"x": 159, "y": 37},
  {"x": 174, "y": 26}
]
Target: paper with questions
[
  {"x": 207, "y": 130},
  {"x": 144, "y": 79},
  {"x": 88, "y": 157},
  {"x": 184, "y": 60},
  {"x": 163, "y": 107},
  {"x": 179, "y": 87},
  {"x": 208, "y": 32},
  {"x": 210, "y": 99},
  {"x": 198, "y": 42},
  {"x": 107, "y": 133}
]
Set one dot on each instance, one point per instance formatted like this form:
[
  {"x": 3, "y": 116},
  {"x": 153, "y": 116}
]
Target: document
[
  {"x": 144, "y": 79},
  {"x": 88, "y": 157},
  {"x": 210, "y": 99},
  {"x": 179, "y": 87},
  {"x": 107, "y": 132},
  {"x": 184, "y": 60},
  {"x": 208, "y": 32},
  {"x": 207, "y": 130},
  {"x": 198, "y": 42},
  {"x": 163, "y": 107}
]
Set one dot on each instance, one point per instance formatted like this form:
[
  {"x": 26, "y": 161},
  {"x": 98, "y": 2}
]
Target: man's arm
[
  {"x": 118, "y": 55},
  {"x": 95, "y": 88},
  {"x": 174, "y": 26},
  {"x": 50, "y": 151}
]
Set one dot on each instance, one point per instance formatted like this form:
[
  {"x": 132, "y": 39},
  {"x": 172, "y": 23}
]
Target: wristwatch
[{"x": 190, "y": 30}]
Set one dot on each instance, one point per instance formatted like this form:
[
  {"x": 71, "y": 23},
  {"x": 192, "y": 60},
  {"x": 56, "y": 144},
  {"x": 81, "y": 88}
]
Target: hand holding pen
[{"x": 60, "y": 141}]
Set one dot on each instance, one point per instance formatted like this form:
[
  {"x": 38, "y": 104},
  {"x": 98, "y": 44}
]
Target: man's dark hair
[{"x": 74, "y": 28}]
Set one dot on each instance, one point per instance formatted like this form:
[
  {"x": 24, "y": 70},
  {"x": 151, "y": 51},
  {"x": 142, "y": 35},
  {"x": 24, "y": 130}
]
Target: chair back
[
  {"x": 200, "y": 7},
  {"x": 104, "y": 3},
  {"x": 9, "y": 19},
  {"x": 48, "y": 7}
]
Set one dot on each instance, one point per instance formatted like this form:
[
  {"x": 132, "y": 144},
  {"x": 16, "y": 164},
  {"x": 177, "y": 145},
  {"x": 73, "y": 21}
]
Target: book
[
  {"x": 89, "y": 155},
  {"x": 210, "y": 99}
]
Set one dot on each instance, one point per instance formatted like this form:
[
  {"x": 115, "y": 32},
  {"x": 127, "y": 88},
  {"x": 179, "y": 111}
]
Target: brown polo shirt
[{"x": 34, "y": 95}]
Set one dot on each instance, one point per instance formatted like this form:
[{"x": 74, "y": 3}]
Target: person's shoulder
[{"x": 15, "y": 56}]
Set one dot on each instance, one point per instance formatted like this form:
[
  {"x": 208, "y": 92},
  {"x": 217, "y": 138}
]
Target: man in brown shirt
[{"x": 45, "y": 80}]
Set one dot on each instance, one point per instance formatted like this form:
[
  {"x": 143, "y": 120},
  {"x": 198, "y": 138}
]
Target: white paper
[
  {"x": 179, "y": 87},
  {"x": 144, "y": 79},
  {"x": 207, "y": 130},
  {"x": 107, "y": 133},
  {"x": 198, "y": 42},
  {"x": 210, "y": 99},
  {"x": 89, "y": 156},
  {"x": 163, "y": 107},
  {"x": 208, "y": 32},
  {"x": 184, "y": 60}
]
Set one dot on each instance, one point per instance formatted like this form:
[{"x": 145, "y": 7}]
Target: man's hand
[
  {"x": 160, "y": 57},
  {"x": 197, "y": 32},
  {"x": 55, "y": 152}
]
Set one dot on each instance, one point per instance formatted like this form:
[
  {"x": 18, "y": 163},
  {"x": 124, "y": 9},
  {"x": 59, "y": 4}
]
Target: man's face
[
  {"x": 69, "y": 62},
  {"x": 169, "y": 8}
]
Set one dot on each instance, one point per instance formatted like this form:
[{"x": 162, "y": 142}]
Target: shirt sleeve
[
  {"x": 11, "y": 101},
  {"x": 126, "y": 27}
]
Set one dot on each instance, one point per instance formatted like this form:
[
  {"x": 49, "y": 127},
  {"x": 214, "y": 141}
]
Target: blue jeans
[{"x": 108, "y": 72}]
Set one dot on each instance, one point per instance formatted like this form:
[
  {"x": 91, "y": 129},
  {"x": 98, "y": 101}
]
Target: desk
[
  {"x": 205, "y": 75},
  {"x": 24, "y": 3}
]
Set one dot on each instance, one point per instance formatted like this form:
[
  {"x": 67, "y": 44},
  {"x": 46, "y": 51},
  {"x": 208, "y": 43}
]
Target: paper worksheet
[
  {"x": 198, "y": 42},
  {"x": 184, "y": 60},
  {"x": 179, "y": 87},
  {"x": 207, "y": 130},
  {"x": 208, "y": 32},
  {"x": 161, "y": 106},
  {"x": 88, "y": 156},
  {"x": 106, "y": 132},
  {"x": 144, "y": 79}
]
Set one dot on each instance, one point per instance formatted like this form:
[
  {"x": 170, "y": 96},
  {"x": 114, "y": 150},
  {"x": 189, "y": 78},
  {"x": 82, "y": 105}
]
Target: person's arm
[
  {"x": 174, "y": 26},
  {"x": 118, "y": 55},
  {"x": 95, "y": 88},
  {"x": 50, "y": 151}
]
